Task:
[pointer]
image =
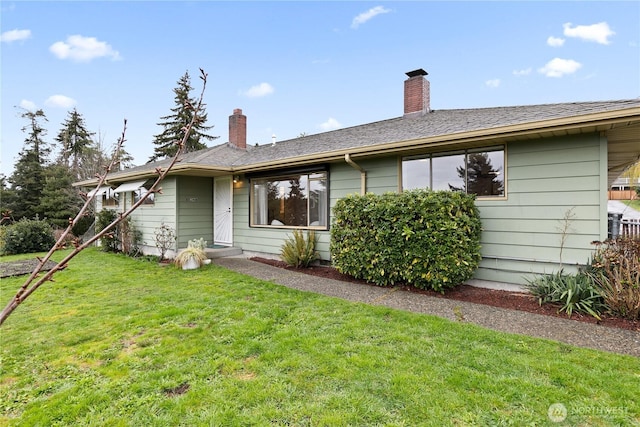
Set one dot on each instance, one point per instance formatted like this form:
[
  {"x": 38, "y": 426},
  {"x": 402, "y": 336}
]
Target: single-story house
[{"x": 540, "y": 172}]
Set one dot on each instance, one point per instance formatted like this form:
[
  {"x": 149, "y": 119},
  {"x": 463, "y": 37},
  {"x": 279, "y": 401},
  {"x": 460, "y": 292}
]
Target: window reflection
[{"x": 473, "y": 171}]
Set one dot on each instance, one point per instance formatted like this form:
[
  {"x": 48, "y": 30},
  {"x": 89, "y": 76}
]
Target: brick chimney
[
  {"x": 238, "y": 129},
  {"x": 416, "y": 93}
]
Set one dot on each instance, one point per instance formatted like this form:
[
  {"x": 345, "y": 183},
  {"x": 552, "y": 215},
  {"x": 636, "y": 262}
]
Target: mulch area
[
  {"x": 25, "y": 266},
  {"x": 495, "y": 298}
]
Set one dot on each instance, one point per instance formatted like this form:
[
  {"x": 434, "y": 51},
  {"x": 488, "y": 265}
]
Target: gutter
[{"x": 363, "y": 173}]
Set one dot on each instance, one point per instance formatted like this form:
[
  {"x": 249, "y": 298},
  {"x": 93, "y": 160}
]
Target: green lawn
[
  {"x": 635, "y": 204},
  {"x": 114, "y": 340}
]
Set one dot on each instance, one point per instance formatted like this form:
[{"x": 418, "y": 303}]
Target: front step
[{"x": 213, "y": 253}]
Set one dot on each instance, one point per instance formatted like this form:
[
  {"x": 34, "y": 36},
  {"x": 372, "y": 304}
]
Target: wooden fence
[{"x": 622, "y": 195}]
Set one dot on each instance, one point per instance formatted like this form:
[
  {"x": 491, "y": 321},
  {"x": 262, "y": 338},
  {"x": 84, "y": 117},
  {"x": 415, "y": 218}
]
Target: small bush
[
  {"x": 129, "y": 237},
  {"x": 574, "y": 292},
  {"x": 109, "y": 241},
  {"x": 191, "y": 252},
  {"x": 28, "y": 236},
  {"x": 164, "y": 237},
  {"x": 83, "y": 225},
  {"x": 123, "y": 238},
  {"x": 429, "y": 239},
  {"x": 197, "y": 243},
  {"x": 615, "y": 270},
  {"x": 69, "y": 239},
  {"x": 299, "y": 251},
  {"x": 3, "y": 233}
]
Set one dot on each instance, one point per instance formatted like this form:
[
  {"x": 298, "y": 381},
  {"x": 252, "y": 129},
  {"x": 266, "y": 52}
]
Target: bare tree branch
[{"x": 34, "y": 281}]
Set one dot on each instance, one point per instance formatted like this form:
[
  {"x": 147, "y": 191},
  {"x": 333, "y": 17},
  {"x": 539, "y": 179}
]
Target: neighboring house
[
  {"x": 624, "y": 189},
  {"x": 537, "y": 170}
]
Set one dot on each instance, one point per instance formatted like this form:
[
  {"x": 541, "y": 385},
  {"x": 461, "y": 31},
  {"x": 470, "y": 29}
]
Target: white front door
[{"x": 222, "y": 212}]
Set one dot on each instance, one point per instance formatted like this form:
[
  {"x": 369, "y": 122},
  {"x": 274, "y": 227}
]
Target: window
[
  {"x": 110, "y": 199},
  {"x": 293, "y": 200},
  {"x": 479, "y": 172},
  {"x": 141, "y": 191}
]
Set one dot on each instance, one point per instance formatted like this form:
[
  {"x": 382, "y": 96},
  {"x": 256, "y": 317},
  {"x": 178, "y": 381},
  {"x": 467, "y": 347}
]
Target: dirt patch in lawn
[
  {"x": 25, "y": 266},
  {"x": 495, "y": 298}
]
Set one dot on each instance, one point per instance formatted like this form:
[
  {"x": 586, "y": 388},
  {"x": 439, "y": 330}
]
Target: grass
[
  {"x": 635, "y": 204},
  {"x": 117, "y": 341}
]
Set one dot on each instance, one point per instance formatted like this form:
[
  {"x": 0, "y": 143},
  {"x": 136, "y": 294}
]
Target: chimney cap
[
  {"x": 418, "y": 72},
  {"x": 237, "y": 111}
]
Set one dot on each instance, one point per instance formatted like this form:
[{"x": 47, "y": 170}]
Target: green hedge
[
  {"x": 27, "y": 236},
  {"x": 429, "y": 239}
]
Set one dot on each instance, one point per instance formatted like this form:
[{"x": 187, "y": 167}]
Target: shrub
[
  {"x": 574, "y": 292},
  {"x": 197, "y": 243},
  {"x": 425, "y": 238},
  {"x": 191, "y": 252},
  {"x": 164, "y": 237},
  {"x": 615, "y": 270},
  {"x": 109, "y": 241},
  {"x": 129, "y": 237},
  {"x": 123, "y": 238},
  {"x": 3, "y": 233},
  {"x": 299, "y": 251},
  {"x": 83, "y": 225},
  {"x": 28, "y": 236}
]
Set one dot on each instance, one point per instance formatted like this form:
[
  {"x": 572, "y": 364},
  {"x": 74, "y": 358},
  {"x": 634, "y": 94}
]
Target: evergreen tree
[
  {"x": 481, "y": 177},
  {"x": 173, "y": 124},
  {"x": 124, "y": 160},
  {"x": 60, "y": 201},
  {"x": 27, "y": 179},
  {"x": 7, "y": 198},
  {"x": 75, "y": 144}
]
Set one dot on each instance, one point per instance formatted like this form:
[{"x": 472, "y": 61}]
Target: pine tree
[
  {"x": 75, "y": 143},
  {"x": 173, "y": 124},
  {"x": 7, "y": 198},
  {"x": 481, "y": 177},
  {"x": 27, "y": 179},
  {"x": 59, "y": 201},
  {"x": 124, "y": 160}
]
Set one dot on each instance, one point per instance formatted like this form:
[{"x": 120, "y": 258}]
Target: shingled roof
[{"x": 436, "y": 127}]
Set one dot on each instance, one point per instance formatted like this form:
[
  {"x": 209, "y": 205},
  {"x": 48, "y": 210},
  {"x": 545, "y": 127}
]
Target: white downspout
[{"x": 363, "y": 173}]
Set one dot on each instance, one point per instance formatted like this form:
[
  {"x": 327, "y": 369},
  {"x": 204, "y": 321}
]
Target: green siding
[
  {"x": 148, "y": 217},
  {"x": 546, "y": 180},
  {"x": 195, "y": 209}
]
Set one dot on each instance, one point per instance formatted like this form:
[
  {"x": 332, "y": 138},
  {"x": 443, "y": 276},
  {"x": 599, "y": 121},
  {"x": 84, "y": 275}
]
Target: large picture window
[
  {"x": 479, "y": 172},
  {"x": 295, "y": 200}
]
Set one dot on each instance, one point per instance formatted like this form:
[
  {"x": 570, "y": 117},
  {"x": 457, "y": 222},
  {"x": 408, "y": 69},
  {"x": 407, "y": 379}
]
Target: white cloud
[
  {"x": 263, "y": 89},
  {"x": 524, "y": 72},
  {"x": 555, "y": 41},
  {"x": 492, "y": 83},
  {"x": 15, "y": 35},
  {"x": 369, "y": 14},
  {"x": 330, "y": 124},
  {"x": 598, "y": 33},
  {"x": 83, "y": 49},
  {"x": 558, "y": 67},
  {"x": 28, "y": 105},
  {"x": 60, "y": 101}
]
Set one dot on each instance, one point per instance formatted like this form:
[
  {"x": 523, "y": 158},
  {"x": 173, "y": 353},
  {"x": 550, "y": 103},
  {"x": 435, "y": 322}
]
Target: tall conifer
[
  {"x": 173, "y": 124},
  {"x": 28, "y": 177}
]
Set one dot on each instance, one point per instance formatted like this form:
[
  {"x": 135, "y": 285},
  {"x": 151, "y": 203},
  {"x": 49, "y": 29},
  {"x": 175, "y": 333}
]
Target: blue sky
[{"x": 295, "y": 67}]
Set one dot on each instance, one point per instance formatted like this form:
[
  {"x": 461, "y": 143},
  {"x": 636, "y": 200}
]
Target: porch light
[{"x": 236, "y": 178}]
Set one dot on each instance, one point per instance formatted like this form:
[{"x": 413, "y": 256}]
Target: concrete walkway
[
  {"x": 518, "y": 322},
  {"x": 615, "y": 206}
]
